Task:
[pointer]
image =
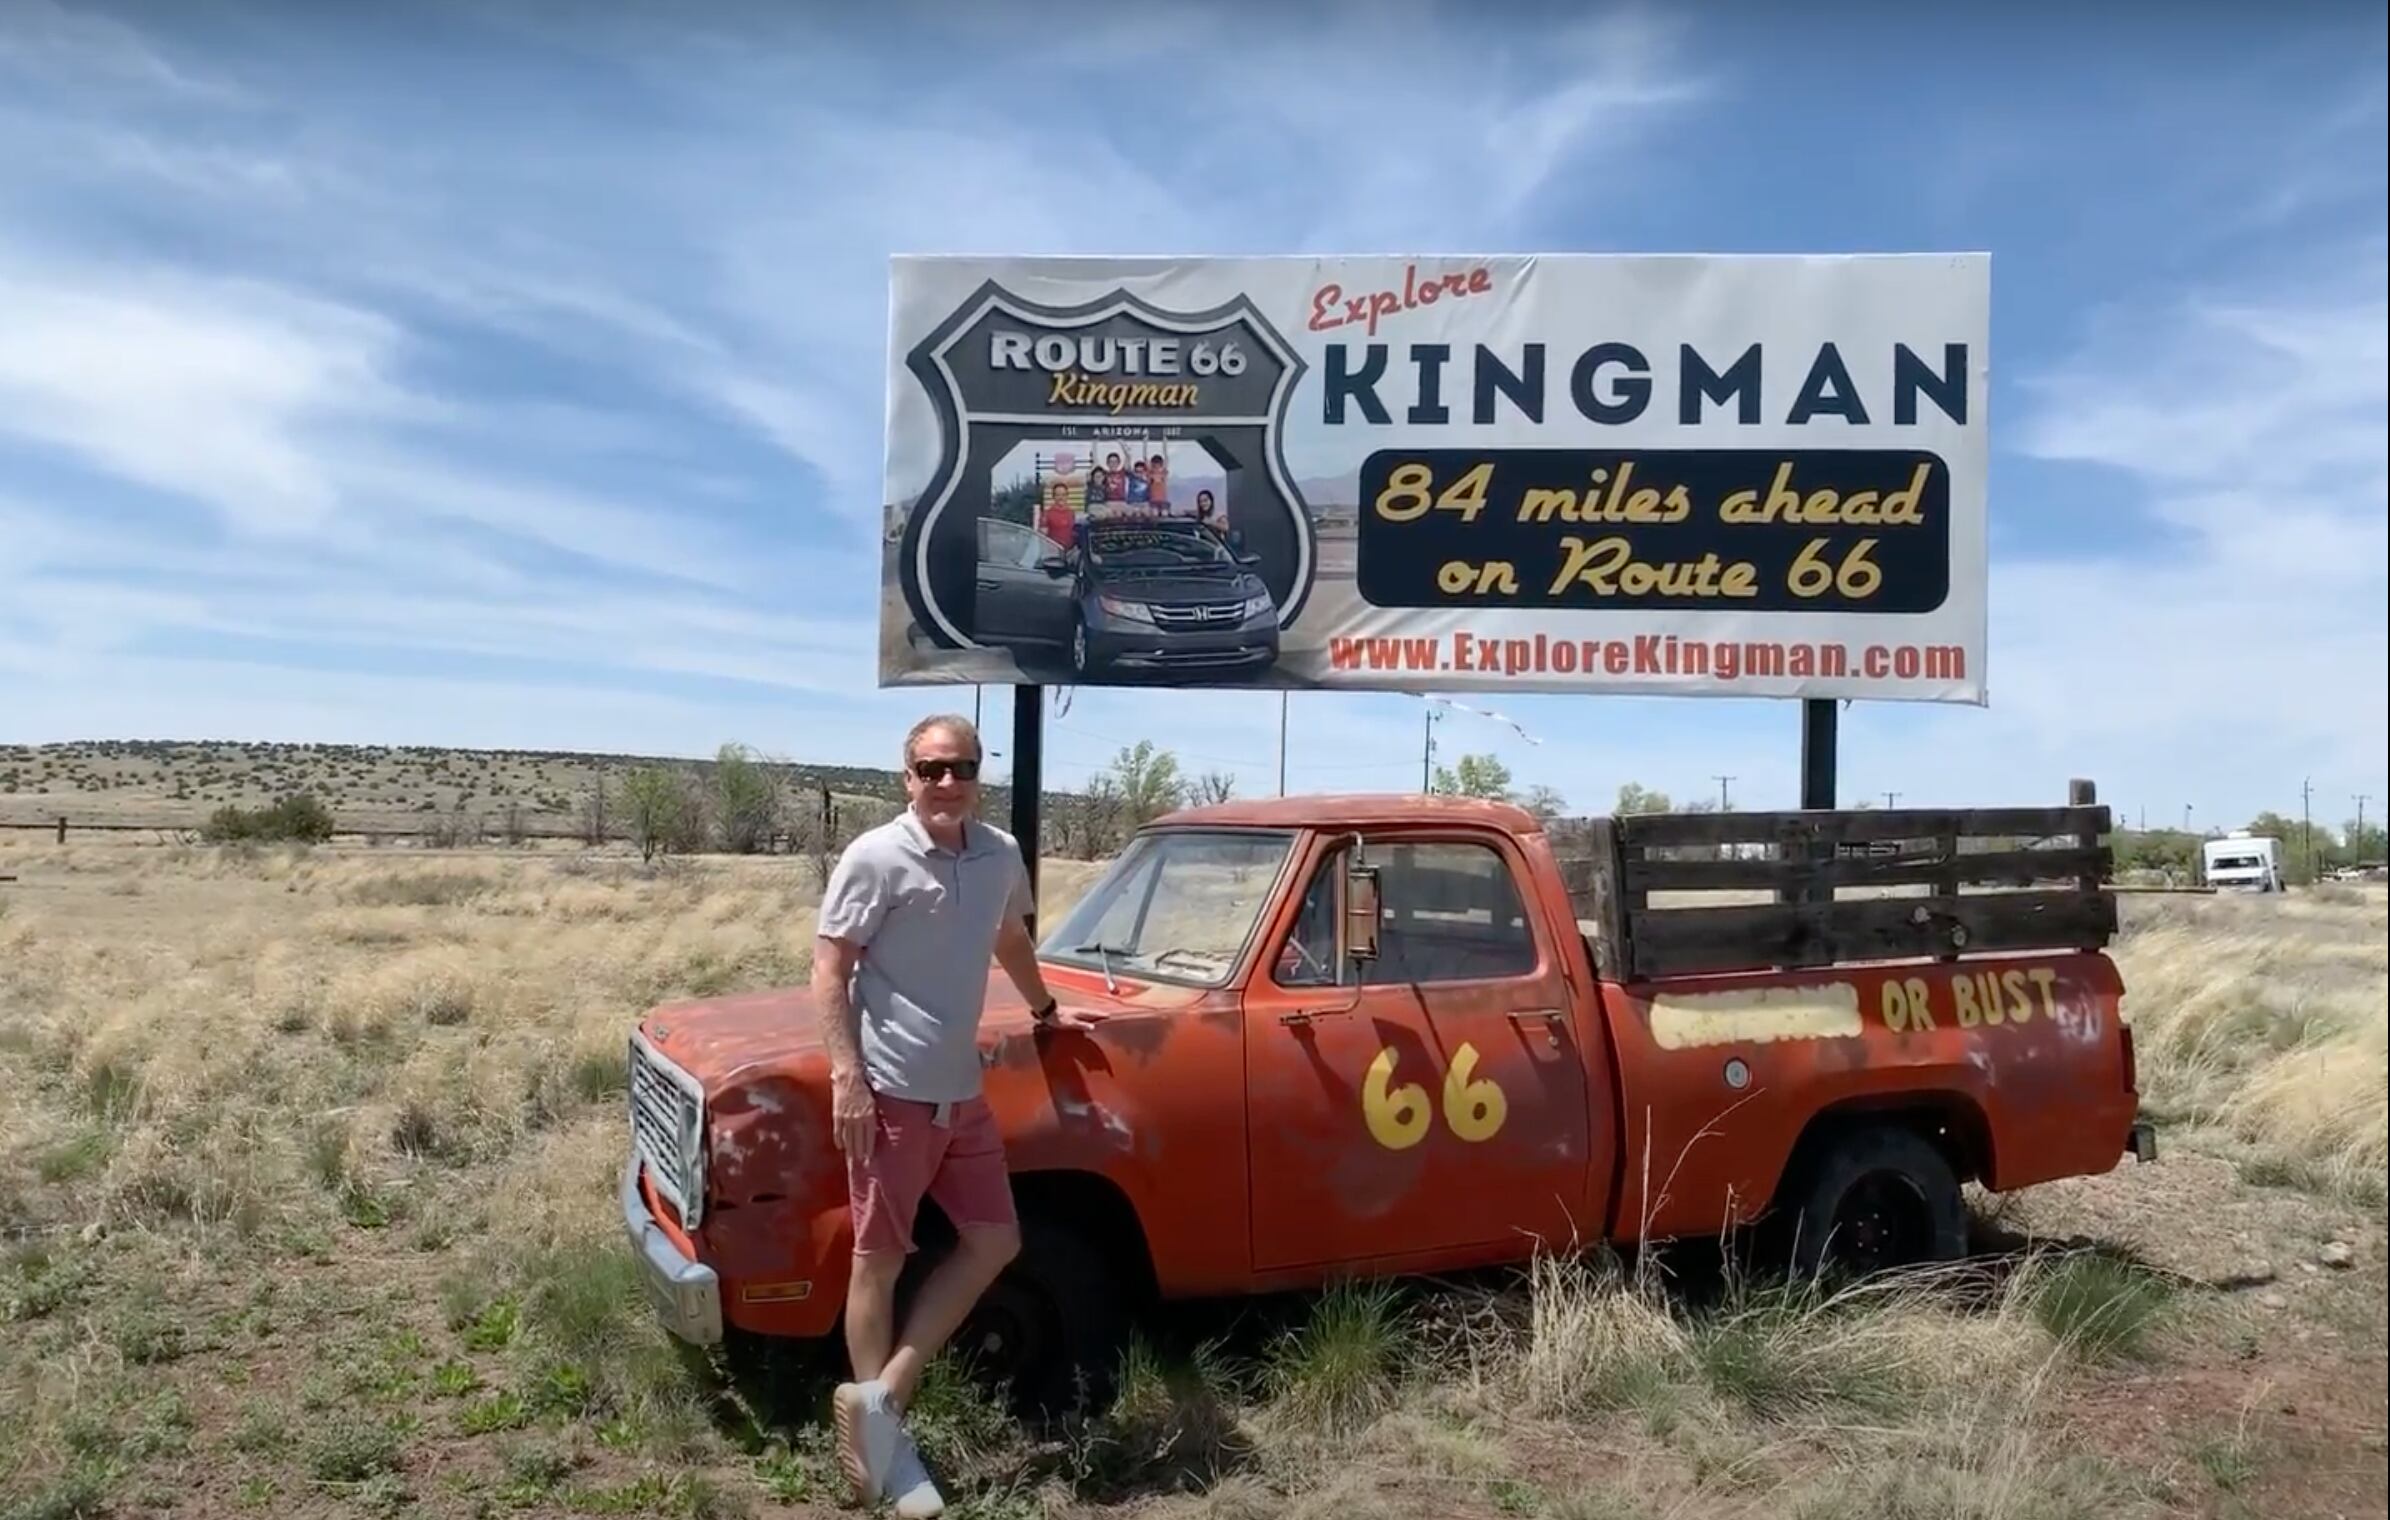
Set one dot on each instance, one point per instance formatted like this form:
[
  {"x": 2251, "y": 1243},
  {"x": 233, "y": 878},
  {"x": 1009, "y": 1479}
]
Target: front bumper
[
  {"x": 1130, "y": 646},
  {"x": 687, "y": 1295},
  {"x": 2142, "y": 1141}
]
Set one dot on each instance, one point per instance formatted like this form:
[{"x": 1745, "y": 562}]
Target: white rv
[{"x": 2243, "y": 863}]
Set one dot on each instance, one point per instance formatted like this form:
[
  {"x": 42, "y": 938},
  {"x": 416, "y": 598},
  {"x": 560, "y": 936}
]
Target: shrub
[{"x": 299, "y": 818}]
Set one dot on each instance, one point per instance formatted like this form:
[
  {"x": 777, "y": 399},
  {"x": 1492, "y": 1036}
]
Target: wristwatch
[{"x": 1045, "y": 1014}]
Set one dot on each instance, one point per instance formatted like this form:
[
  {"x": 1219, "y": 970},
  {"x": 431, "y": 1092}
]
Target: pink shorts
[{"x": 960, "y": 1164}]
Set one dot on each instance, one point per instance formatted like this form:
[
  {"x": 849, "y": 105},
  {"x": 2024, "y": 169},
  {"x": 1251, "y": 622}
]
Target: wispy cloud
[
  {"x": 221, "y": 390},
  {"x": 2249, "y": 421}
]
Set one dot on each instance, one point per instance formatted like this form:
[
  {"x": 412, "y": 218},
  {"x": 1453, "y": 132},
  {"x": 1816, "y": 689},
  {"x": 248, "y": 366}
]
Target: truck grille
[{"x": 667, "y": 1112}]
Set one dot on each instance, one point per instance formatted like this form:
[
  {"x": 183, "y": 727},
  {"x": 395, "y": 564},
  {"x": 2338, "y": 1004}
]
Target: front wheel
[
  {"x": 1050, "y": 1330},
  {"x": 1874, "y": 1201}
]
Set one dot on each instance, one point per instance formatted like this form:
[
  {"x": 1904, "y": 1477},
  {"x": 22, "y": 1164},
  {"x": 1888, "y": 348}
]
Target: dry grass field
[
  {"x": 175, "y": 785},
  {"x": 306, "y": 1208}
]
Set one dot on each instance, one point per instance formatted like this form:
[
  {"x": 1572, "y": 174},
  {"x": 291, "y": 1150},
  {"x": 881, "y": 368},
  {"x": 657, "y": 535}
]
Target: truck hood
[{"x": 723, "y": 1041}]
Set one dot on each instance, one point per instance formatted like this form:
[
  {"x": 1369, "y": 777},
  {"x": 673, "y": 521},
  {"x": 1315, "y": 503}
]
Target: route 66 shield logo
[{"x": 1111, "y": 503}]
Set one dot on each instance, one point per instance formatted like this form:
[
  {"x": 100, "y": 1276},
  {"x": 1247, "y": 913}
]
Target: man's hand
[
  {"x": 1074, "y": 1018},
  {"x": 854, "y": 1117}
]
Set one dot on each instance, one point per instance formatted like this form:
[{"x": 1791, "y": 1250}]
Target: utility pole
[
  {"x": 2186, "y": 818},
  {"x": 2354, "y": 843},
  {"x": 2307, "y": 823},
  {"x": 1724, "y": 806},
  {"x": 1892, "y": 799},
  {"x": 1282, "y": 743},
  {"x": 1427, "y": 749}
]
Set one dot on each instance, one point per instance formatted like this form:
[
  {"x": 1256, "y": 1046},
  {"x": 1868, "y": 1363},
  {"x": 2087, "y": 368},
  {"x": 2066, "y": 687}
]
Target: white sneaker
[
  {"x": 917, "y": 1498},
  {"x": 867, "y": 1436}
]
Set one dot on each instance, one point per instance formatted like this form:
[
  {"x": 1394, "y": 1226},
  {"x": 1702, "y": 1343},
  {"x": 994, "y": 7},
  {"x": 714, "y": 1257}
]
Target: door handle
[
  {"x": 986, "y": 585},
  {"x": 1301, "y": 1016},
  {"x": 1553, "y": 1019}
]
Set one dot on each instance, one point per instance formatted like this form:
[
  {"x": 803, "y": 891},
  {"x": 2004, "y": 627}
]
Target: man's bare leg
[
  {"x": 870, "y": 1314},
  {"x": 979, "y": 1255},
  {"x": 871, "y": 1311}
]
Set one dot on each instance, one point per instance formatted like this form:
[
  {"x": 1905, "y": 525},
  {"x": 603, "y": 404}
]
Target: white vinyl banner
[{"x": 1717, "y": 475}]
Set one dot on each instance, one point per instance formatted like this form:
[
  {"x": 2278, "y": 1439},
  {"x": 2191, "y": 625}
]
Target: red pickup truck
[{"x": 1384, "y": 1035}]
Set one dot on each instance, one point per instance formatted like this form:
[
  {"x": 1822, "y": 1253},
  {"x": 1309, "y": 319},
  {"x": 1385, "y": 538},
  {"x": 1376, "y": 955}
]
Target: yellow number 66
[{"x": 1398, "y": 1116}]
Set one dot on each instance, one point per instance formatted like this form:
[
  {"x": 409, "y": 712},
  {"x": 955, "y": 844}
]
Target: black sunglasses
[{"x": 939, "y": 770}]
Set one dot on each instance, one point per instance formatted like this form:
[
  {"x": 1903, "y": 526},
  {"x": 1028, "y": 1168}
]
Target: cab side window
[
  {"x": 1452, "y": 913},
  {"x": 1308, "y": 958}
]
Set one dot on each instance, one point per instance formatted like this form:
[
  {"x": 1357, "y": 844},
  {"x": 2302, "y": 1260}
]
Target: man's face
[
  {"x": 942, "y": 778},
  {"x": 1112, "y": 462}
]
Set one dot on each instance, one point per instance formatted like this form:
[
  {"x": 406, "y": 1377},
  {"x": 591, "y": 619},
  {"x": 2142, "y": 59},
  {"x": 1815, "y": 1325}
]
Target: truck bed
[{"x": 1688, "y": 894}]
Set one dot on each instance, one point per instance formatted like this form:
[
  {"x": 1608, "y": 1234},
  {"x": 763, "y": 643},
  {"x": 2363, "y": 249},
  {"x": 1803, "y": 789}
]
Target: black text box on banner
[{"x": 1769, "y": 530}]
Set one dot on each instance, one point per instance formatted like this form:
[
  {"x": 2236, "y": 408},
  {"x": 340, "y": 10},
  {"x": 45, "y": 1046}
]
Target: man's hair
[{"x": 961, "y": 727}]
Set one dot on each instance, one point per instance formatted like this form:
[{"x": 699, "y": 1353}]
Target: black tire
[
  {"x": 1050, "y": 1330},
  {"x": 1082, "y": 657},
  {"x": 1874, "y": 1200}
]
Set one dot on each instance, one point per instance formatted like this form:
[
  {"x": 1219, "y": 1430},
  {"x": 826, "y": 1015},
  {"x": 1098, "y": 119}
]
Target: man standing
[{"x": 909, "y": 920}]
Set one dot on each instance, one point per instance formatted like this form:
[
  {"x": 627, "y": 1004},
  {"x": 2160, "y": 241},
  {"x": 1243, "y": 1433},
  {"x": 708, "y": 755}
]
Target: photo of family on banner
[{"x": 1131, "y": 484}]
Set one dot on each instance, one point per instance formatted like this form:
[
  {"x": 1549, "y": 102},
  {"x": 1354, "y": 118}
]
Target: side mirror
[
  {"x": 1361, "y": 912},
  {"x": 1055, "y": 565}
]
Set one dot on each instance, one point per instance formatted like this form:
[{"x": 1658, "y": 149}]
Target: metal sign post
[
  {"x": 1819, "y": 719},
  {"x": 1028, "y": 780}
]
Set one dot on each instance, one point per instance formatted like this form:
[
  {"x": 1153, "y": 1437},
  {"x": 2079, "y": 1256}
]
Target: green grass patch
[
  {"x": 494, "y": 1327},
  {"x": 1339, "y": 1369},
  {"x": 351, "y": 1449},
  {"x": 581, "y": 1297},
  {"x": 2101, "y": 1309},
  {"x": 600, "y": 1075},
  {"x": 80, "y": 1493},
  {"x": 1781, "y": 1353},
  {"x": 499, "y": 1411},
  {"x": 72, "y": 1160}
]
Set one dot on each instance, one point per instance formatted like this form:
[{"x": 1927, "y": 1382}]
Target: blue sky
[{"x": 513, "y": 374}]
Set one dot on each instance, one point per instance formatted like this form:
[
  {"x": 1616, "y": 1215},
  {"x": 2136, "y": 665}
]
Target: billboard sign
[{"x": 1657, "y": 474}]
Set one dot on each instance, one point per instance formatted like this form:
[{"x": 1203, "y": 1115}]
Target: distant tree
[
  {"x": 594, "y": 823},
  {"x": 1148, "y": 781},
  {"x": 1545, "y": 803},
  {"x": 746, "y": 800},
  {"x": 1474, "y": 776},
  {"x": 2169, "y": 854},
  {"x": 1634, "y": 797},
  {"x": 299, "y": 818},
  {"x": 1213, "y": 786},
  {"x": 653, "y": 802},
  {"x": 2363, "y": 846}
]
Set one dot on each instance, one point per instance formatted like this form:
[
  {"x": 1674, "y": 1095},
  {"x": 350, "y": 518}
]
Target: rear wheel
[{"x": 1873, "y": 1201}]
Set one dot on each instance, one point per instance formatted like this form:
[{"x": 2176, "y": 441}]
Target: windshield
[
  {"x": 1135, "y": 549},
  {"x": 1175, "y": 907}
]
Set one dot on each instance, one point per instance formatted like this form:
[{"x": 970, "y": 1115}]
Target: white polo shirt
[{"x": 926, "y": 919}]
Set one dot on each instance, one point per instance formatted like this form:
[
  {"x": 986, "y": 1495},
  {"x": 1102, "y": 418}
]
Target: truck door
[{"x": 1431, "y": 1102}]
